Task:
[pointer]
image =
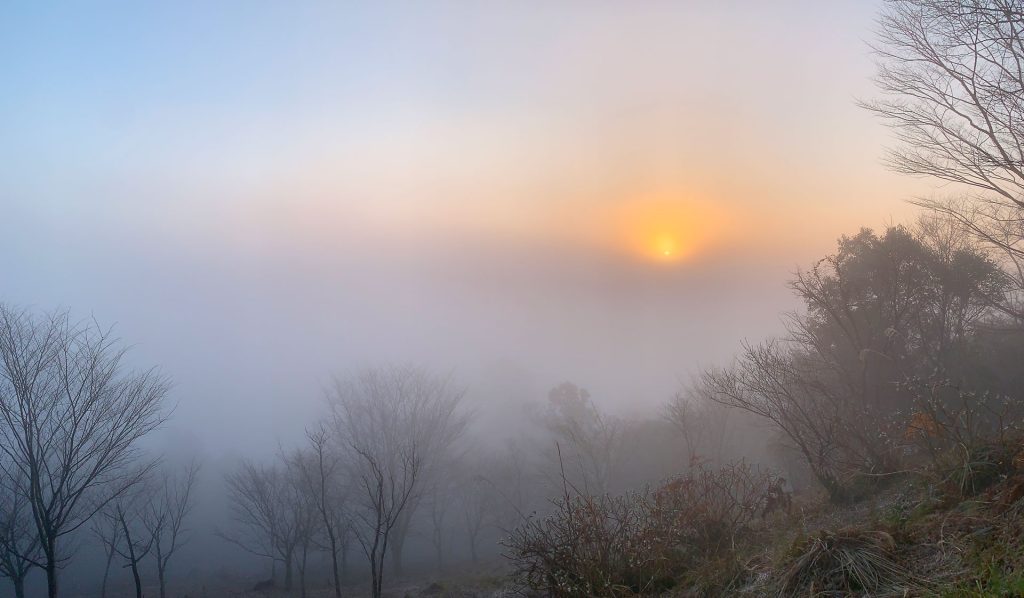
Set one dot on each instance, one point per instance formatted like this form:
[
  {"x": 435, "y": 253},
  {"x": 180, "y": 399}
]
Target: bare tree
[
  {"x": 387, "y": 486},
  {"x": 19, "y": 546},
  {"x": 769, "y": 381},
  {"x": 70, "y": 420},
  {"x": 108, "y": 532},
  {"x": 165, "y": 514},
  {"x": 321, "y": 470},
  {"x": 476, "y": 502},
  {"x": 440, "y": 427},
  {"x": 394, "y": 423},
  {"x": 266, "y": 506},
  {"x": 128, "y": 513},
  {"x": 952, "y": 75},
  {"x": 508, "y": 473},
  {"x": 589, "y": 439},
  {"x": 700, "y": 421},
  {"x": 440, "y": 496},
  {"x": 308, "y": 526}
]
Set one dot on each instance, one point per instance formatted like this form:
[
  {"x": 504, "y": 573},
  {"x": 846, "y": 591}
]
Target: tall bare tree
[
  {"x": 268, "y": 510},
  {"x": 128, "y": 514},
  {"x": 164, "y": 519},
  {"x": 952, "y": 77},
  {"x": 394, "y": 423},
  {"x": 321, "y": 472},
  {"x": 441, "y": 424},
  {"x": 71, "y": 416},
  {"x": 108, "y": 532}
]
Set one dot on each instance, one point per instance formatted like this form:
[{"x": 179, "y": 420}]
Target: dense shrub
[
  {"x": 970, "y": 440},
  {"x": 642, "y": 542},
  {"x": 705, "y": 509}
]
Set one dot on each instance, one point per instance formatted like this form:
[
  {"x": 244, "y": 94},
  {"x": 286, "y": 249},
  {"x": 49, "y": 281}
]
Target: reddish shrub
[{"x": 639, "y": 543}]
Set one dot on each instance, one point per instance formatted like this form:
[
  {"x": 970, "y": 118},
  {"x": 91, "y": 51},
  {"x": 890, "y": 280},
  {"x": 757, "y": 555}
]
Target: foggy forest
[{"x": 472, "y": 299}]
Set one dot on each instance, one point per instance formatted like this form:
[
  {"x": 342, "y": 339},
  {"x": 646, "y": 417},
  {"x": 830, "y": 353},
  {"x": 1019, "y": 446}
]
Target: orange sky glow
[{"x": 556, "y": 185}]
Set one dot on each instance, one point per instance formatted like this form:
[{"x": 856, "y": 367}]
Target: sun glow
[
  {"x": 666, "y": 245},
  {"x": 665, "y": 229}
]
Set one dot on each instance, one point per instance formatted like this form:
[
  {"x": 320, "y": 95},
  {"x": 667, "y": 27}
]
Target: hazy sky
[{"x": 260, "y": 194}]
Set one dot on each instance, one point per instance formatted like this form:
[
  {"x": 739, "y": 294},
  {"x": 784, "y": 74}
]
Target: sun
[
  {"x": 666, "y": 228},
  {"x": 666, "y": 245}
]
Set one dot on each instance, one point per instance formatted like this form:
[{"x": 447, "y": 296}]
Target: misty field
[{"x": 453, "y": 299}]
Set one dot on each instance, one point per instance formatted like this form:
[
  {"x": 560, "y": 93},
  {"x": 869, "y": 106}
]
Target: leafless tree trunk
[
  {"x": 475, "y": 502},
  {"x": 165, "y": 515},
  {"x": 440, "y": 501},
  {"x": 320, "y": 470},
  {"x": 108, "y": 532},
  {"x": 134, "y": 549},
  {"x": 127, "y": 514},
  {"x": 387, "y": 493},
  {"x": 401, "y": 532},
  {"x": 395, "y": 424},
  {"x": 303, "y": 559},
  {"x": 70, "y": 419},
  {"x": 19, "y": 546},
  {"x": 308, "y": 527},
  {"x": 344, "y": 544}
]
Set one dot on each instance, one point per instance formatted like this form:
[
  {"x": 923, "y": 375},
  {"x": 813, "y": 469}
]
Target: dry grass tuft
[{"x": 844, "y": 563}]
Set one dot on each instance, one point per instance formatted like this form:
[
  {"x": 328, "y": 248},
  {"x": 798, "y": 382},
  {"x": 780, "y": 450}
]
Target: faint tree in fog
[
  {"x": 589, "y": 439},
  {"x": 952, "y": 75},
  {"x": 438, "y": 425},
  {"x": 308, "y": 527},
  {"x": 270, "y": 509},
  {"x": 508, "y": 473},
  {"x": 439, "y": 502},
  {"x": 702, "y": 423},
  {"x": 70, "y": 420},
  {"x": 167, "y": 508},
  {"x": 691, "y": 418},
  {"x": 108, "y": 532},
  {"x": 395, "y": 424},
  {"x": 127, "y": 513},
  {"x": 321, "y": 472},
  {"x": 19, "y": 545},
  {"x": 966, "y": 290},
  {"x": 476, "y": 503}
]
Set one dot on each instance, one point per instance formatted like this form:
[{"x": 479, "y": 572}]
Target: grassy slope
[{"x": 913, "y": 538}]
